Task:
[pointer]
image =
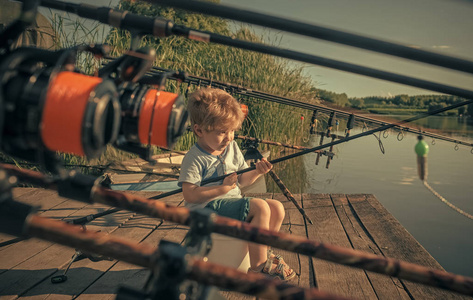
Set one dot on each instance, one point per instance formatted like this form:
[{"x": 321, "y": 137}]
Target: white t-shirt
[{"x": 199, "y": 165}]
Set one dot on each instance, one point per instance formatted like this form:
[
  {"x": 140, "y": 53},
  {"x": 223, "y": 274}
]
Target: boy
[{"x": 215, "y": 115}]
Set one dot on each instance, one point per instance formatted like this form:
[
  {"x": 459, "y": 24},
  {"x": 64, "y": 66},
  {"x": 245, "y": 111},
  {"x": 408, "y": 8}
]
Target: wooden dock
[{"x": 353, "y": 221}]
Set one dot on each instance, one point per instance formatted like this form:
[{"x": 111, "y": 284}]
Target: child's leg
[
  {"x": 266, "y": 214},
  {"x": 277, "y": 214},
  {"x": 259, "y": 215}
]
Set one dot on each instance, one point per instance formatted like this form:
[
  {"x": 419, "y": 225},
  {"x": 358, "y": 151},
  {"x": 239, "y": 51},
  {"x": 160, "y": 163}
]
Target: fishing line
[
  {"x": 349, "y": 138},
  {"x": 446, "y": 201},
  {"x": 380, "y": 143}
]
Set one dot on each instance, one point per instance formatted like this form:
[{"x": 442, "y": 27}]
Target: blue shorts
[{"x": 235, "y": 208}]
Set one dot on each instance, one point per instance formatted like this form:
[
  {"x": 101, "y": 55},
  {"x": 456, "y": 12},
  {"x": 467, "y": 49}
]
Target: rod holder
[
  {"x": 313, "y": 122},
  {"x": 198, "y": 240}
]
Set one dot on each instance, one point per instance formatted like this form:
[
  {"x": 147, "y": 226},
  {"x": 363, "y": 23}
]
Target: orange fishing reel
[
  {"x": 47, "y": 107},
  {"x": 150, "y": 116}
]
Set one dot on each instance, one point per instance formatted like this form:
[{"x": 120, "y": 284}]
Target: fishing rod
[
  {"x": 240, "y": 90},
  {"x": 162, "y": 28},
  {"x": 262, "y": 141},
  {"x": 319, "y": 32},
  {"x": 99, "y": 167},
  {"x": 84, "y": 188},
  {"x": 333, "y": 143},
  {"x": 91, "y": 217},
  {"x": 159, "y": 27}
]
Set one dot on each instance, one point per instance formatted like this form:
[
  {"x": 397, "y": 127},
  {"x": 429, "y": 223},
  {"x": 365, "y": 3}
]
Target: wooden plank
[
  {"x": 131, "y": 275},
  {"x": 49, "y": 258},
  {"x": 316, "y": 201},
  {"x": 39, "y": 197},
  {"x": 297, "y": 227},
  {"x": 123, "y": 273},
  {"x": 14, "y": 254},
  {"x": 20, "y": 191},
  {"x": 21, "y": 279},
  {"x": 43, "y": 199},
  {"x": 352, "y": 221},
  {"x": 26, "y": 275},
  {"x": 84, "y": 273},
  {"x": 385, "y": 287},
  {"x": 330, "y": 277},
  {"x": 107, "y": 223},
  {"x": 395, "y": 241},
  {"x": 56, "y": 207}
]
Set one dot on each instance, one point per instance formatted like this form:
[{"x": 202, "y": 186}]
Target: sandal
[
  {"x": 277, "y": 259},
  {"x": 276, "y": 268}
]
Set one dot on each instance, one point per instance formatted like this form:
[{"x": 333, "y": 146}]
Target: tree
[
  {"x": 357, "y": 103},
  {"x": 339, "y": 99}
]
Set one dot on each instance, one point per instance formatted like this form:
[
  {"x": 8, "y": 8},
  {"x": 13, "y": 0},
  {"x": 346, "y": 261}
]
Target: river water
[{"x": 360, "y": 167}]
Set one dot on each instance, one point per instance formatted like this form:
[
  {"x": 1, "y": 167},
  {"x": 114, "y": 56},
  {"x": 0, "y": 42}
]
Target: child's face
[{"x": 214, "y": 141}]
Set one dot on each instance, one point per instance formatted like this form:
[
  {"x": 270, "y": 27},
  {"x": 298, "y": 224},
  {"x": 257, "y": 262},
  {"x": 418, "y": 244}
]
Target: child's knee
[
  {"x": 260, "y": 206},
  {"x": 277, "y": 207}
]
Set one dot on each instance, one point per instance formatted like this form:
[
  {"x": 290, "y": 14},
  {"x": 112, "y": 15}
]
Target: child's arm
[
  {"x": 262, "y": 167},
  {"x": 200, "y": 194}
]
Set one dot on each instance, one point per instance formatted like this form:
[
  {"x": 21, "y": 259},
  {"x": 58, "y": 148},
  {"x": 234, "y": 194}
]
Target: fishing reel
[
  {"x": 48, "y": 107},
  {"x": 150, "y": 116}
]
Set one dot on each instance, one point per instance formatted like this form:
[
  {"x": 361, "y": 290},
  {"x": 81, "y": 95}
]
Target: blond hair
[{"x": 214, "y": 109}]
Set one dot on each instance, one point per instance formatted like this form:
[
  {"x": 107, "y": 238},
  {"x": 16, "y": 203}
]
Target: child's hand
[
  {"x": 263, "y": 166},
  {"x": 231, "y": 180}
]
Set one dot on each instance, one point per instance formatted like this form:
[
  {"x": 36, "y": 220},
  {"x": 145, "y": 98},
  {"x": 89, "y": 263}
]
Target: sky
[{"x": 442, "y": 26}]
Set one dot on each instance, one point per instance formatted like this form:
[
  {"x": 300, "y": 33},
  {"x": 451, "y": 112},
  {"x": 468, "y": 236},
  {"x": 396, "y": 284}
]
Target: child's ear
[{"x": 198, "y": 130}]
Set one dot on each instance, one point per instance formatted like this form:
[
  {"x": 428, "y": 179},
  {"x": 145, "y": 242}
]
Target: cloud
[{"x": 414, "y": 46}]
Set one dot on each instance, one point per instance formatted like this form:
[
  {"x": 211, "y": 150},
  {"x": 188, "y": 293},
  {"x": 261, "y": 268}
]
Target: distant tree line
[
  {"x": 415, "y": 104},
  {"x": 332, "y": 97}
]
